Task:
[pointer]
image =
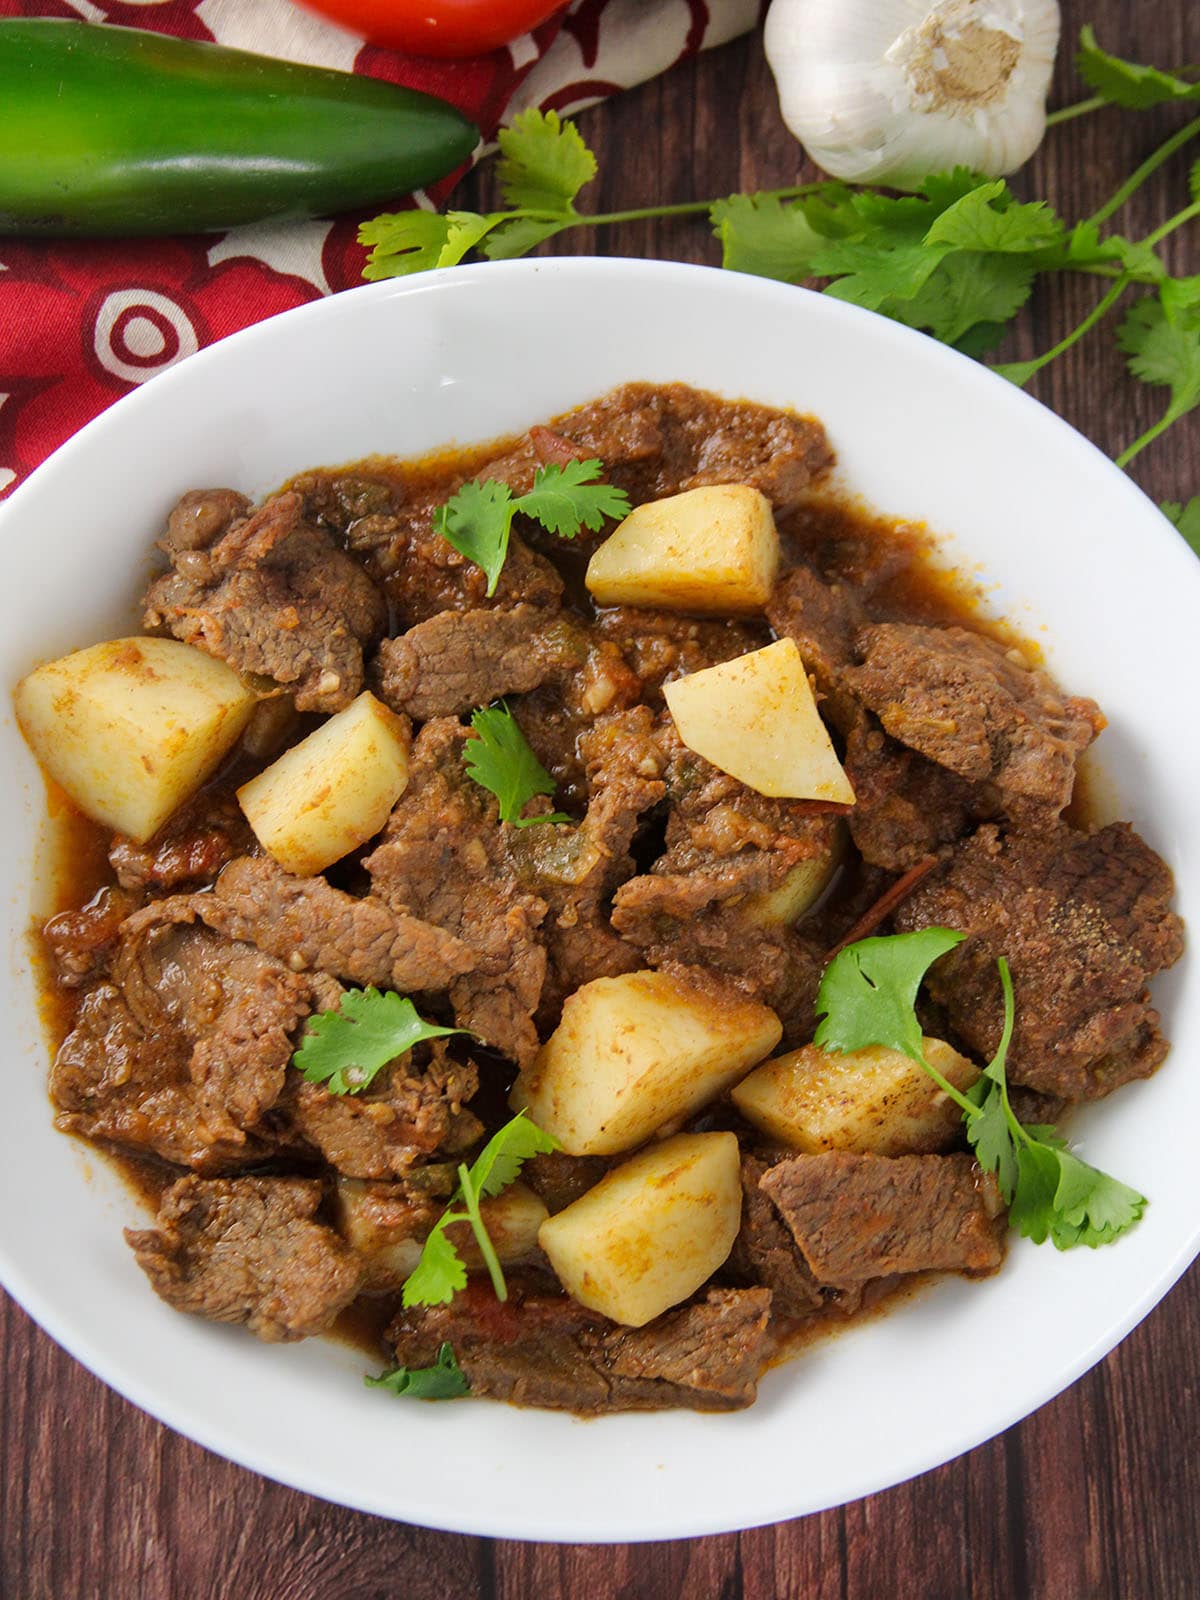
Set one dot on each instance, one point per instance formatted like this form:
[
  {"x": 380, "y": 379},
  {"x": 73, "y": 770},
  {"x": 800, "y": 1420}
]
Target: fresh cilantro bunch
[
  {"x": 445, "y": 1380},
  {"x": 346, "y": 1049},
  {"x": 501, "y": 761},
  {"x": 440, "y": 1273},
  {"x": 478, "y": 519},
  {"x": 868, "y": 997},
  {"x": 956, "y": 259}
]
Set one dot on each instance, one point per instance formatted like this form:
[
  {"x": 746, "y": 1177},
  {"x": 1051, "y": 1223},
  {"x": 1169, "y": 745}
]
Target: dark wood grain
[{"x": 1097, "y": 1495}]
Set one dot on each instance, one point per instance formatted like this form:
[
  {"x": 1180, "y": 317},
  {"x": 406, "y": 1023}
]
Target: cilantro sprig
[
  {"x": 346, "y": 1049},
  {"x": 444, "y": 1380},
  {"x": 542, "y": 167},
  {"x": 441, "y": 1273},
  {"x": 501, "y": 761},
  {"x": 1161, "y": 338},
  {"x": 957, "y": 259},
  {"x": 868, "y": 997},
  {"x": 478, "y": 519}
]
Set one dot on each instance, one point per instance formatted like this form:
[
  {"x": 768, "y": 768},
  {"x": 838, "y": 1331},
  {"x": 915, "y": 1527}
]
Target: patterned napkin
[{"x": 82, "y": 323}]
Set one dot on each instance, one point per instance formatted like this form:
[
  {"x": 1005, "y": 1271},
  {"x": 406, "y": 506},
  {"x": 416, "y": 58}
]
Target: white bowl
[{"x": 1072, "y": 547}]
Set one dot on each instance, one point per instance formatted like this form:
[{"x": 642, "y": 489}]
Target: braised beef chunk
[
  {"x": 559, "y": 715},
  {"x": 857, "y": 1217},
  {"x": 660, "y": 441},
  {"x": 408, "y": 1113},
  {"x": 273, "y": 596},
  {"x": 823, "y": 619},
  {"x": 574, "y": 870},
  {"x": 1084, "y": 921},
  {"x": 444, "y": 858},
  {"x": 462, "y": 659},
  {"x": 315, "y": 927},
  {"x": 249, "y": 1250},
  {"x": 978, "y": 709},
  {"x": 558, "y": 1179},
  {"x": 424, "y": 575},
  {"x": 185, "y": 1050},
  {"x": 765, "y": 1252},
  {"x": 659, "y": 646},
  {"x": 189, "y": 850},
  {"x": 538, "y": 1349},
  {"x": 906, "y": 808}
]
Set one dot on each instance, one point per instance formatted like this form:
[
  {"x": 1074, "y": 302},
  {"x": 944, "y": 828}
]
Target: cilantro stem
[
  {"x": 685, "y": 208},
  {"x": 967, "y": 1107},
  {"x": 1010, "y": 1016},
  {"x": 1080, "y": 109},
  {"x": 1169, "y": 226},
  {"x": 1151, "y": 164},
  {"x": 1169, "y": 417},
  {"x": 1020, "y": 372},
  {"x": 486, "y": 1248}
]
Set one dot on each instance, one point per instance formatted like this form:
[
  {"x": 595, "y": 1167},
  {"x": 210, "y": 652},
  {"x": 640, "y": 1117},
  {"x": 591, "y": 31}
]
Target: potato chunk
[
  {"x": 388, "y": 1227},
  {"x": 652, "y": 1230},
  {"x": 638, "y": 1051},
  {"x": 332, "y": 791},
  {"x": 873, "y": 1102},
  {"x": 755, "y": 718},
  {"x": 713, "y": 549},
  {"x": 803, "y": 887},
  {"x": 132, "y": 728}
]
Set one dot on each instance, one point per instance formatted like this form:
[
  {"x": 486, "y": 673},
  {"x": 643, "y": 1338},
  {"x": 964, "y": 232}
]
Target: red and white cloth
[{"x": 82, "y": 322}]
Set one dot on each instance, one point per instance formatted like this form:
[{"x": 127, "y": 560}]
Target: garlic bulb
[{"x": 889, "y": 91}]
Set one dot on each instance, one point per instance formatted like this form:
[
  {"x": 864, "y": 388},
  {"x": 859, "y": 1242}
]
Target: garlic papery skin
[{"x": 889, "y": 91}]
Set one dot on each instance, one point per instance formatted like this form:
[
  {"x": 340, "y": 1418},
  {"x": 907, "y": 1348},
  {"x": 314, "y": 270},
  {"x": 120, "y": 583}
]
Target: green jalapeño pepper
[{"x": 117, "y": 131}]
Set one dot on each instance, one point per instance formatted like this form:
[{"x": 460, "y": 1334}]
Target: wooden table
[{"x": 1096, "y": 1495}]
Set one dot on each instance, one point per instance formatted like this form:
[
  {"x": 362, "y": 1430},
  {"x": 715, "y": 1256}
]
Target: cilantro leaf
[
  {"x": 517, "y": 236},
  {"x": 968, "y": 294},
  {"x": 543, "y": 163},
  {"x": 415, "y": 241},
  {"x": 869, "y": 990},
  {"x": 445, "y": 1380},
  {"x": 501, "y": 761},
  {"x": 346, "y": 1049},
  {"x": 973, "y": 222},
  {"x": 440, "y": 1273},
  {"x": 1127, "y": 83},
  {"x": 403, "y": 242},
  {"x": 1031, "y": 1205},
  {"x": 506, "y": 1152},
  {"x": 877, "y": 272},
  {"x": 990, "y": 1136},
  {"x": 1161, "y": 338},
  {"x": 1090, "y": 1207},
  {"x": 1186, "y": 518},
  {"x": 566, "y": 498},
  {"x": 477, "y": 520},
  {"x": 945, "y": 189},
  {"x": 762, "y": 234}
]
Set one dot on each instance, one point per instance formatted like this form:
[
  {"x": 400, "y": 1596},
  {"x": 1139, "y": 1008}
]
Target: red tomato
[{"x": 438, "y": 27}]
